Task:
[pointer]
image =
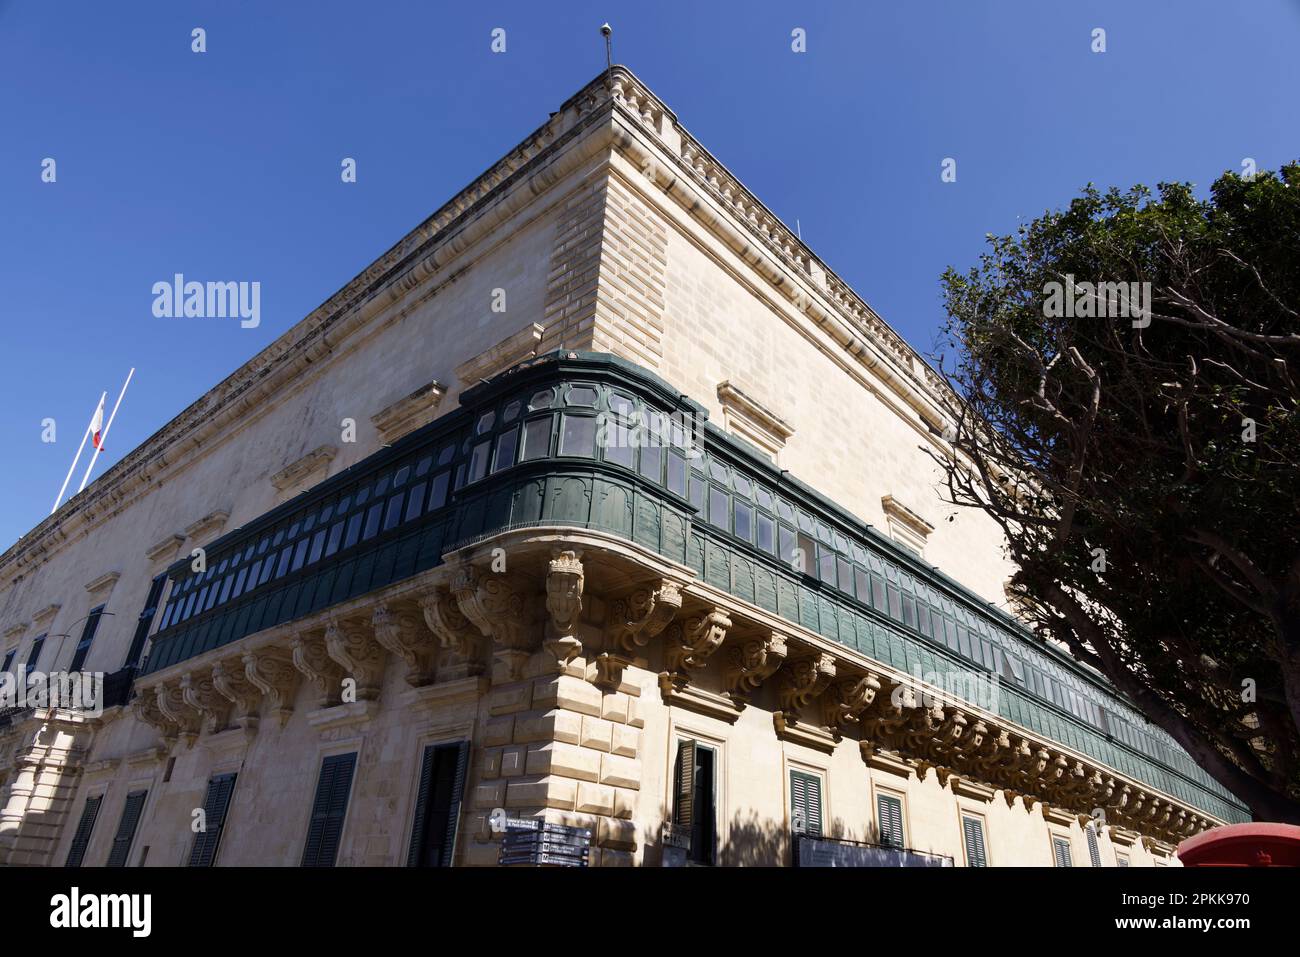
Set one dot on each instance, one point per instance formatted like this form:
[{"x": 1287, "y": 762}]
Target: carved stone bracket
[
  {"x": 805, "y": 679},
  {"x": 500, "y": 611},
  {"x": 147, "y": 710},
  {"x": 751, "y": 662},
  {"x": 461, "y": 641},
  {"x": 406, "y": 636},
  {"x": 199, "y": 693},
  {"x": 846, "y": 700},
  {"x": 643, "y": 614},
  {"x": 230, "y": 681},
  {"x": 691, "y": 644},
  {"x": 272, "y": 672},
  {"x": 354, "y": 647},
  {"x": 311, "y": 658},
  {"x": 564, "y": 583}
]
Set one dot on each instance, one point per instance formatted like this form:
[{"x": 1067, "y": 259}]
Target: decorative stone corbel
[
  {"x": 846, "y": 700},
  {"x": 564, "y": 582},
  {"x": 354, "y": 647},
  {"x": 691, "y": 644},
  {"x": 461, "y": 641},
  {"x": 406, "y": 637},
  {"x": 751, "y": 662},
  {"x": 231, "y": 683},
  {"x": 633, "y": 621},
  {"x": 643, "y": 614},
  {"x": 171, "y": 704},
  {"x": 805, "y": 679},
  {"x": 500, "y": 611},
  {"x": 951, "y": 731},
  {"x": 198, "y": 692},
  {"x": 273, "y": 673},
  {"x": 311, "y": 658},
  {"x": 147, "y": 710}
]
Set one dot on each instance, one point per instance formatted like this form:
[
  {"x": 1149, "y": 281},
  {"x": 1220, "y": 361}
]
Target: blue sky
[{"x": 225, "y": 165}]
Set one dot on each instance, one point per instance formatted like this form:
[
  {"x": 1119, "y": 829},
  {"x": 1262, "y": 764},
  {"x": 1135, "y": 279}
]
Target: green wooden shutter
[
  {"x": 806, "y": 801},
  {"x": 33, "y": 655},
  {"x": 145, "y": 621},
  {"x": 328, "y": 810},
  {"x": 1061, "y": 852},
  {"x": 890, "y": 812},
  {"x": 421, "y": 806},
  {"x": 453, "y": 812},
  {"x": 426, "y": 801},
  {"x": 215, "y": 805},
  {"x": 973, "y": 834},
  {"x": 126, "y": 829},
  {"x": 87, "y": 636},
  {"x": 82, "y": 836},
  {"x": 684, "y": 784},
  {"x": 1094, "y": 852}
]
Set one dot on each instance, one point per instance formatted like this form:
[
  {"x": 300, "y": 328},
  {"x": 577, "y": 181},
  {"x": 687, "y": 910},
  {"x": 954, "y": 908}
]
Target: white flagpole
[
  {"x": 108, "y": 425},
  {"x": 73, "y": 467}
]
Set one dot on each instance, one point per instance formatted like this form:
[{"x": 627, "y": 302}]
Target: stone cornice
[
  {"x": 292, "y": 474},
  {"x": 753, "y": 420},
  {"x": 409, "y": 413},
  {"x": 43, "y": 616},
  {"x": 905, "y": 516},
  {"x": 164, "y": 550},
  {"x": 102, "y": 586},
  {"x": 209, "y": 526},
  {"x": 513, "y": 349}
]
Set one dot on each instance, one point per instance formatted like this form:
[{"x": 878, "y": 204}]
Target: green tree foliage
[{"x": 1144, "y": 468}]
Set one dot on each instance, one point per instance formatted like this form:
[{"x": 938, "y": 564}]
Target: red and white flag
[{"x": 97, "y": 425}]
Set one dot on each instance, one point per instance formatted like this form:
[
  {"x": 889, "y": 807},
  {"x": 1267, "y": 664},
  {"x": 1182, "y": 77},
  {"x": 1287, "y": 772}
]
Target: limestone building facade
[{"x": 600, "y": 498}]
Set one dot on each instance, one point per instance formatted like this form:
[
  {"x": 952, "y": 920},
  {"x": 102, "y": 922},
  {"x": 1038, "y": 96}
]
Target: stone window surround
[
  {"x": 293, "y": 478},
  {"x": 820, "y": 771},
  {"x": 513, "y": 349},
  {"x": 163, "y": 552},
  {"x": 752, "y": 420},
  {"x": 410, "y": 412},
  {"x": 877, "y": 789},
  {"x": 905, "y": 526},
  {"x": 965, "y": 810},
  {"x": 209, "y": 526},
  {"x": 682, "y": 728}
]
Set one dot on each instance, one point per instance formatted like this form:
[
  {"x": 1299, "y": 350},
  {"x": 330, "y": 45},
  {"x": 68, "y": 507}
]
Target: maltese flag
[{"x": 97, "y": 425}]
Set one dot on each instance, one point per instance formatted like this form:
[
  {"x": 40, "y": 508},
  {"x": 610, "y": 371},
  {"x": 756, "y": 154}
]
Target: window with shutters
[
  {"x": 1061, "y": 852},
  {"x": 328, "y": 810},
  {"x": 126, "y": 829},
  {"x": 33, "y": 655},
  {"x": 437, "y": 805},
  {"x": 1094, "y": 851},
  {"x": 87, "y": 636},
  {"x": 889, "y": 815},
  {"x": 77, "y": 852},
  {"x": 144, "y": 622},
  {"x": 694, "y": 799},
  {"x": 806, "y": 803},
  {"x": 216, "y": 804},
  {"x": 972, "y": 832}
]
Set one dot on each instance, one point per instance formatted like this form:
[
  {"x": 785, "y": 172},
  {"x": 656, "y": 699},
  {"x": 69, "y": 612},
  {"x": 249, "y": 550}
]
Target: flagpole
[
  {"x": 73, "y": 467},
  {"x": 108, "y": 425}
]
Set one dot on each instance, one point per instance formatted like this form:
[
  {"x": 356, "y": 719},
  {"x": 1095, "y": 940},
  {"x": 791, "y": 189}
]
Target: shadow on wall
[{"x": 751, "y": 841}]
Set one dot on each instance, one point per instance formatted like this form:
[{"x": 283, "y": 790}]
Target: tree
[{"x": 1139, "y": 447}]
